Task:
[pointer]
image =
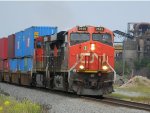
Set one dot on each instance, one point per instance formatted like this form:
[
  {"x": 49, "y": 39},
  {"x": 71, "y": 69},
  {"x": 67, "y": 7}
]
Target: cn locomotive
[{"x": 80, "y": 60}]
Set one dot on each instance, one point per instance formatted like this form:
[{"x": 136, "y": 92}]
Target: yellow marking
[
  {"x": 87, "y": 71},
  {"x": 91, "y": 71},
  {"x": 36, "y": 34}
]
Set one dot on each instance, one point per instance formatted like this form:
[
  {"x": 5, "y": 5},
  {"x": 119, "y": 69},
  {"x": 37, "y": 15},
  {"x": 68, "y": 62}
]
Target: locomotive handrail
[
  {"x": 47, "y": 69},
  {"x": 73, "y": 67},
  {"x": 110, "y": 67},
  {"x": 112, "y": 70}
]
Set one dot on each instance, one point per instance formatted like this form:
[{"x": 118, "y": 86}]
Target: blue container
[
  {"x": 30, "y": 64},
  {"x": 19, "y": 44},
  {"x": 20, "y": 65},
  {"x": 25, "y": 64},
  {"x": 32, "y": 33},
  {"x": 13, "y": 65}
]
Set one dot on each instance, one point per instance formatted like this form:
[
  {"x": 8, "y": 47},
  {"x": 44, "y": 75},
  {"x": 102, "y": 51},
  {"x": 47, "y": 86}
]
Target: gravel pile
[
  {"x": 136, "y": 81},
  {"x": 57, "y": 103}
]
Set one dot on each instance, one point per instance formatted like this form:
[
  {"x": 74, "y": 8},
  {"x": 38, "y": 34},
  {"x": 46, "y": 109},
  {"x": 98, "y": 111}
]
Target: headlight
[
  {"x": 92, "y": 47},
  {"x": 105, "y": 67},
  {"x": 81, "y": 67}
]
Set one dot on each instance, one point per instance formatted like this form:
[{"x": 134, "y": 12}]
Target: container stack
[
  {"x": 4, "y": 65},
  {"x": 11, "y": 53},
  {"x": 16, "y": 51},
  {"x": 25, "y": 45}
]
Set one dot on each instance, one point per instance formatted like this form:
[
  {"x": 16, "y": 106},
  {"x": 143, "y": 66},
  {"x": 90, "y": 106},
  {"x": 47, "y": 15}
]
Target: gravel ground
[{"x": 58, "y": 103}]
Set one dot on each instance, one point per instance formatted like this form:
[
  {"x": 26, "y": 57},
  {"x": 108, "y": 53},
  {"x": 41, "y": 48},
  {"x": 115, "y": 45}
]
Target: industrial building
[
  {"x": 137, "y": 48},
  {"x": 140, "y": 45}
]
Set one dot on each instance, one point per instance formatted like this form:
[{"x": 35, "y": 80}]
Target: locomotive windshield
[
  {"x": 104, "y": 38},
  {"x": 77, "y": 38}
]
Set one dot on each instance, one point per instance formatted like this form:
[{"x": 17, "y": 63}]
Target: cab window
[
  {"x": 103, "y": 38},
  {"x": 77, "y": 38}
]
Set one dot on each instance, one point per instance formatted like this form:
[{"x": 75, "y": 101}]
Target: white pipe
[{"x": 112, "y": 70}]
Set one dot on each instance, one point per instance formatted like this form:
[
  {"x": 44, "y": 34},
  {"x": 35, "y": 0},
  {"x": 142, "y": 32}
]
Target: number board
[
  {"x": 101, "y": 29},
  {"x": 84, "y": 28}
]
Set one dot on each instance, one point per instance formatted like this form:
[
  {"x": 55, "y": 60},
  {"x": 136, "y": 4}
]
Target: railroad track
[
  {"x": 123, "y": 103},
  {"x": 107, "y": 100}
]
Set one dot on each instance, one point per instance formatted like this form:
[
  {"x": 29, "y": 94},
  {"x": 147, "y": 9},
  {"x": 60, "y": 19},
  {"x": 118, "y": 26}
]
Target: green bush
[
  {"x": 139, "y": 64},
  {"x": 119, "y": 67}
]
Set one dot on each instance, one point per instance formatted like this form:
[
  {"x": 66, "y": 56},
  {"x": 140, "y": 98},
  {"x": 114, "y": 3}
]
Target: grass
[
  {"x": 9, "y": 105},
  {"x": 139, "y": 86},
  {"x": 142, "y": 99},
  {"x": 139, "y": 89},
  {"x": 139, "y": 92}
]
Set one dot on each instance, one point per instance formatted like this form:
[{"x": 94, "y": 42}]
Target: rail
[{"x": 123, "y": 103}]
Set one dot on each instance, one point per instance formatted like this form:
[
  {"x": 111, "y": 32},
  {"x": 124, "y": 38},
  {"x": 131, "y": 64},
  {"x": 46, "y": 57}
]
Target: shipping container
[
  {"x": 25, "y": 64},
  {"x": 5, "y": 65},
  {"x": 3, "y": 48},
  {"x": 39, "y": 52},
  {"x": 30, "y": 64},
  {"x": 1, "y": 65},
  {"x": 19, "y": 44},
  {"x": 13, "y": 65},
  {"x": 33, "y": 32},
  {"x": 39, "y": 59},
  {"x": 39, "y": 55},
  {"x": 11, "y": 46},
  {"x": 20, "y": 63}
]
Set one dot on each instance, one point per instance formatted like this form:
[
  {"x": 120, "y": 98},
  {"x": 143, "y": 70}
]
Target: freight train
[{"x": 79, "y": 60}]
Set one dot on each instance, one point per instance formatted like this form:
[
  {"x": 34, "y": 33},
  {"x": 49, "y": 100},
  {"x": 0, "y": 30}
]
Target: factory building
[{"x": 139, "y": 46}]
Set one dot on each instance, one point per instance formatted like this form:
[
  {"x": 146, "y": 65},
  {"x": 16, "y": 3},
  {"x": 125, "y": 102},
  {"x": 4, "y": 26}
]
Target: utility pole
[{"x": 123, "y": 58}]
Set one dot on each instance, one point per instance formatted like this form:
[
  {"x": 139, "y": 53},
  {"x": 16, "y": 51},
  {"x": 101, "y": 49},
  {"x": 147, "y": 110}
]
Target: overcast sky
[{"x": 16, "y": 16}]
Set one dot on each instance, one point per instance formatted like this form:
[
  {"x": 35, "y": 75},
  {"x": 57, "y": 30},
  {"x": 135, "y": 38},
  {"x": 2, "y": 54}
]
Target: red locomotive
[{"x": 79, "y": 60}]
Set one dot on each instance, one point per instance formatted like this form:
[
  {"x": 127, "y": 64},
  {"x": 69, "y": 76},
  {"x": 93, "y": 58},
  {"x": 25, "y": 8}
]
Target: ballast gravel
[{"x": 58, "y": 103}]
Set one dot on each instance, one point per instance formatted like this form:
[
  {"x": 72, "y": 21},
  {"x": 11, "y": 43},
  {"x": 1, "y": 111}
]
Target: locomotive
[{"x": 80, "y": 60}]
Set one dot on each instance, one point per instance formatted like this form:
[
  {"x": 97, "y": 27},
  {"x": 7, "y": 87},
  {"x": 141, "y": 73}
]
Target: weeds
[
  {"x": 139, "y": 91},
  {"x": 142, "y": 99},
  {"x": 9, "y": 105}
]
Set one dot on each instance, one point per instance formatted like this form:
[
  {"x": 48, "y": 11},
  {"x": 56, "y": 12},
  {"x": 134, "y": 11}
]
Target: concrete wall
[{"x": 130, "y": 54}]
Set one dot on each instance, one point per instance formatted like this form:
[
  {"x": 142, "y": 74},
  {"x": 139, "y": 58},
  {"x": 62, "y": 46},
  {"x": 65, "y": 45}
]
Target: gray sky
[{"x": 16, "y": 16}]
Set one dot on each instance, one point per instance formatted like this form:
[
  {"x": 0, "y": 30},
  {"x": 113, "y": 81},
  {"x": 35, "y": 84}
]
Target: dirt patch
[{"x": 137, "y": 81}]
